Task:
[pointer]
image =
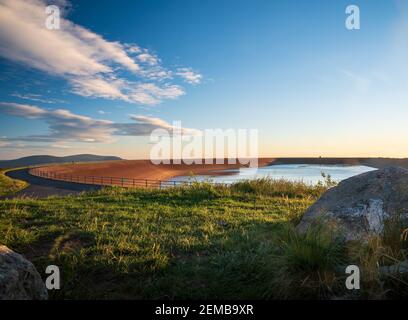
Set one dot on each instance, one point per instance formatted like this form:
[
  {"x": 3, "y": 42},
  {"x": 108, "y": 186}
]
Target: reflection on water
[{"x": 308, "y": 173}]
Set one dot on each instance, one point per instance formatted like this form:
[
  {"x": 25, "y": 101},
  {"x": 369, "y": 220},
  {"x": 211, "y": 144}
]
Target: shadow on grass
[{"x": 233, "y": 265}]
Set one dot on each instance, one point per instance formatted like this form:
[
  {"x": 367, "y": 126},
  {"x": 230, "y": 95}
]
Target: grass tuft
[{"x": 9, "y": 186}]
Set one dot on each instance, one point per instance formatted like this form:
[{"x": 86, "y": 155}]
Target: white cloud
[
  {"x": 143, "y": 93},
  {"x": 148, "y": 58},
  {"x": 63, "y": 124},
  {"x": 21, "y": 110},
  {"x": 36, "y": 97},
  {"x": 67, "y": 126},
  {"x": 99, "y": 86},
  {"x": 150, "y": 93},
  {"x": 60, "y": 146},
  {"x": 25, "y": 39},
  {"x": 189, "y": 75},
  {"x": 133, "y": 48},
  {"x": 85, "y": 59}
]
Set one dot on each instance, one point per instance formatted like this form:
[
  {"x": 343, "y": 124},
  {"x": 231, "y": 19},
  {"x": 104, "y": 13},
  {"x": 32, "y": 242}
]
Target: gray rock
[
  {"x": 19, "y": 280},
  {"x": 360, "y": 205}
]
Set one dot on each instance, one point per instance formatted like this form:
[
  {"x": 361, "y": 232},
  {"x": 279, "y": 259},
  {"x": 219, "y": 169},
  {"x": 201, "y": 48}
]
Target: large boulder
[
  {"x": 360, "y": 205},
  {"x": 19, "y": 280}
]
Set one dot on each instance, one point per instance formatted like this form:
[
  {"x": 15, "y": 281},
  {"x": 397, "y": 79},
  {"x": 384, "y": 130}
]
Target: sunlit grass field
[
  {"x": 9, "y": 186},
  {"x": 203, "y": 241}
]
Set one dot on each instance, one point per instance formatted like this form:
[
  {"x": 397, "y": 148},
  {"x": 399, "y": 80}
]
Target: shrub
[{"x": 307, "y": 263}]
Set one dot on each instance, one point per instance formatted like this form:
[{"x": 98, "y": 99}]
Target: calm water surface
[{"x": 308, "y": 173}]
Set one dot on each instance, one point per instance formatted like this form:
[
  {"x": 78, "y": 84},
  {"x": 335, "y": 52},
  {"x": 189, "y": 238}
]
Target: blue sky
[{"x": 287, "y": 68}]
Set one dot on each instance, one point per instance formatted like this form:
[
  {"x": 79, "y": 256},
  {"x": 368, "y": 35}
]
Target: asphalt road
[{"x": 43, "y": 188}]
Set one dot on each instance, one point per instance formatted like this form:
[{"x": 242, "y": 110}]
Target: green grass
[
  {"x": 205, "y": 241},
  {"x": 9, "y": 186}
]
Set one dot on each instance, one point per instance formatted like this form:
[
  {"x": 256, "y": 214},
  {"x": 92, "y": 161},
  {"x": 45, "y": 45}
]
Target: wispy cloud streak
[
  {"x": 88, "y": 61},
  {"x": 67, "y": 126}
]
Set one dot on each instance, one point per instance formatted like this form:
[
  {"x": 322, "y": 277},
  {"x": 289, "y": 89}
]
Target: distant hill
[{"x": 46, "y": 159}]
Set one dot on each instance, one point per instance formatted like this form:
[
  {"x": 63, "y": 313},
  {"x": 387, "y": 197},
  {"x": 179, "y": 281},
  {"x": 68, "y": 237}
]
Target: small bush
[
  {"x": 317, "y": 249},
  {"x": 306, "y": 264}
]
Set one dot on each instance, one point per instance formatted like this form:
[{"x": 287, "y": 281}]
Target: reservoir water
[{"x": 308, "y": 173}]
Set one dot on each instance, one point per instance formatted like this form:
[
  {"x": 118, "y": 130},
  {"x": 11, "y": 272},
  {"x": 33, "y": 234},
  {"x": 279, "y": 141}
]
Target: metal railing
[{"x": 107, "y": 181}]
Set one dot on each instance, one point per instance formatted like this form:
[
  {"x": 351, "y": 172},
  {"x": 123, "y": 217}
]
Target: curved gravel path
[{"x": 43, "y": 188}]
